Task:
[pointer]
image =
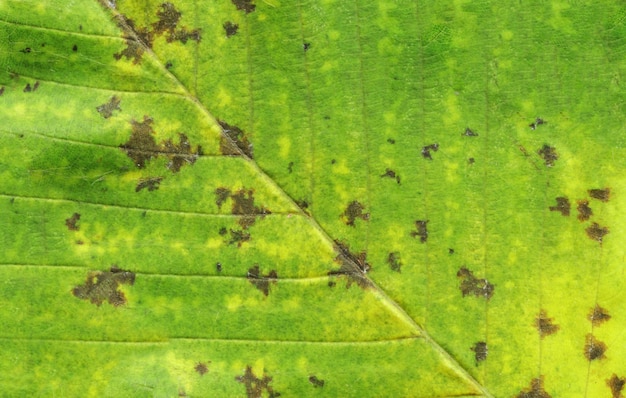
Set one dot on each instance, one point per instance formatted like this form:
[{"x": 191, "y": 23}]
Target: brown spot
[
  {"x": 202, "y": 368},
  {"x": 535, "y": 390},
  {"x": 106, "y": 110},
  {"x": 602, "y": 195},
  {"x": 255, "y": 386},
  {"x": 469, "y": 133},
  {"x": 594, "y": 348},
  {"x": 471, "y": 161},
  {"x": 180, "y": 153},
  {"x": 218, "y": 267},
  {"x": 28, "y": 88},
  {"x": 598, "y": 315},
  {"x": 391, "y": 141},
  {"x": 548, "y": 154},
  {"x": 584, "y": 211},
  {"x": 26, "y": 50},
  {"x": 221, "y": 194},
  {"x": 102, "y": 285},
  {"x": 472, "y": 285},
  {"x": 262, "y": 282},
  {"x": 545, "y": 325},
  {"x": 168, "y": 65},
  {"x": 426, "y": 150},
  {"x": 616, "y": 384},
  {"x": 421, "y": 230},
  {"x": 480, "y": 351},
  {"x": 562, "y": 205},
  {"x": 74, "y": 48},
  {"x": 243, "y": 205},
  {"x": 306, "y": 46},
  {"x": 596, "y": 232},
  {"x": 244, "y": 5},
  {"x": 223, "y": 231},
  {"x": 332, "y": 283},
  {"x": 391, "y": 174},
  {"x": 393, "y": 259},
  {"x": 1, "y": 90},
  {"x": 36, "y": 86},
  {"x": 234, "y": 141},
  {"x": 152, "y": 183},
  {"x": 354, "y": 211},
  {"x": 168, "y": 19},
  {"x": 353, "y": 266},
  {"x": 290, "y": 167},
  {"x": 238, "y": 237},
  {"x": 316, "y": 382},
  {"x": 230, "y": 28},
  {"x": 71, "y": 222}
]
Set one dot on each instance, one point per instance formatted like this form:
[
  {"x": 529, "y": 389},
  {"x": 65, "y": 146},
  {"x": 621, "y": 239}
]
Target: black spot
[
  {"x": 28, "y": 88},
  {"x": 106, "y": 110},
  {"x": 450, "y": 251},
  {"x": 306, "y": 46},
  {"x": 596, "y": 232},
  {"x": 354, "y": 211},
  {"x": 353, "y": 266},
  {"x": 480, "y": 351},
  {"x": 102, "y": 286},
  {"x": 421, "y": 230},
  {"x": 152, "y": 183},
  {"x": 230, "y": 28},
  {"x": 234, "y": 141},
  {"x": 616, "y": 384},
  {"x": 538, "y": 121},
  {"x": 471, "y": 161},
  {"x": 1, "y": 90},
  {"x": 74, "y": 48},
  {"x": 393, "y": 259},
  {"x": 545, "y": 325},
  {"x": 391, "y": 141},
  {"x": 26, "y": 50},
  {"x": 218, "y": 266},
  {"x": 244, "y": 5},
  {"x": 71, "y": 222},
  {"x": 469, "y": 133},
  {"x": 470, "y": 285},
  {"x": 548, "y": 154},
  {"x": 598, "y": 315},
  {"x": 584, "y": 211},
  {"x": 602, "y": 195},
  {"x": 562, "y": 205},
  {"x": 426, "y": 151},
  {"x": 594, "y": 348},
  {"x": 168, "y": 65},
  {"x": 391, "y": 174},
  {"x": 255, "y": 386},
  {"x": 316, "y": 382},
  {"x": 535, "y": 390}
]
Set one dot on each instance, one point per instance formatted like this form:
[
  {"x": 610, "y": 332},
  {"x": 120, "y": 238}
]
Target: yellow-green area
[{"x": 436, "y": 138}]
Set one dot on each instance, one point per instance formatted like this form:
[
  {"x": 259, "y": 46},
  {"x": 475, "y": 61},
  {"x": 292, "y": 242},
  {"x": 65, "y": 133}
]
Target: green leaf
[{"x": 246, "y": 198}]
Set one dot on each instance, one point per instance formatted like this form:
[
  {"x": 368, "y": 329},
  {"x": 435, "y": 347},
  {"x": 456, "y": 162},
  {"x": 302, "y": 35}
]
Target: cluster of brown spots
[
  {"x": 596, "y": 232},
  {"x": 202, "y": 368},
  {"x": 480, "y": 351},
  {"x": 538, "y": 121},
  {"x": 354, "y": 211},
  {"x": 238, "y": 237},
  {"x": 535, "y": 390},
  {"x": 594, "y": 348},
  {"x": 243, "y": 205},
  {"x": 393, "y": 259},
  {"x": 616, "y": 384},
  {"x": 598, "y": 315},
  {"x": 262, "y": 282},
  {"x": 472, "y": 285},
  {"x": 548, "y": 154},
  {"x": 562, "y": 205},
  {"x": 71, "y": 222},
  {"x": 421, "y": 230},
  {"x": 316, "y": 382},
  {"x": 391, "y": 174},
  {"x": 584, "y": 211},
  {"x": 221, "y": 194},
  {"x": 469, "y": 133},
  {"x": 353, "y": 266},
  {"x": 426, "y": 150},
  {"x": 244, "y": 5},
  {"x": 29, "y": 89},
  {"x": 602, "y": 195},
  {"x": 230, "y": 28},
  {"x": 141, "y": 147},
  {"x": 152, "y": 183},
  {"x": 106, "y": 109},
  {"x": 234, "y": 141},
  {"x": 255, "y": 386},
  {"x": 545, "y": 325},
  {"x": 102, "y": 285}
]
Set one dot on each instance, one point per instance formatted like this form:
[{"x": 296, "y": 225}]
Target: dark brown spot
[
  {"x": 243, "y": 205},
  {"x": 168, "y": 19},
  {"x": 471, "y": 161},
  {"x": 168, "y": 65},
  {"x": 562, "y": 205},
  {"x": 290, "y": 167},
  {"x": 223, "y": 231},
  {"x": 450, "y": 251},
  {"x": 221, "y": 194},
  {"x": 244, "y": 5},
  {"x": 180, "y": 153},
  {"x": 183, "y": 35},
  {"x": 74, "y": 48},
  {"x": 316, "y": 382},
  {"x": 28, "y": 88},
  {"x": 354, "y": 211},
  {"x": 202, "y": 368},
  {"x": 102, "y": 285},
  {"x": 426, "y": 150},
  {"x": 234, "y": 141},
  {"x": 548, "y": 154},
  {"x": 218, "y": 267},
  {"x": 469, "y": 133},
  {"x": 230, "y": 28},
  {"x": 332, "y": 283},
  {"x": 391, "y": 174},
  {"x": 255, "y": 386},
  {"x": 106, "y": 110},
  {"x": 71, "y": 222},
  {"x": 421, "y": 230},
  {"x": 1, "y": 90},
  {"x": 598, "y": 315},
  {"x": 472, "y": 285},
  {"x": 152, "y": 183},
  {"x": 600, "y": 194},
  {"x": 535, "y": 390},
  {"x": 538, "y": 121},
  {"x": 616, "y": 384},
  {"x": 545, "y": 325},
  {"x": 262, "y": 282},
  {"x": 393, "y": 259},
  {"x": 238, "y": 237},
  {"x": 584, "y": 211},
  {"x": 306, "y": 46},
  {"x": 353, "y": 266},
  {"x": 134, "y": 50},
  {"x": 36, "y": 86},
  {"x": 594, "y": 348},
  {"x": 480, "y": 351},
  {"x": 26, "y": 50},
  {"x": 391, "y": 141},
  {"x": 596, "y": 232},
  {"x": 303, "y": 205},
  {"x": 333, "y": 161}
]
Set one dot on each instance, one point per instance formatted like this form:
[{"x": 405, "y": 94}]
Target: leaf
[{"x": 484, "y": 115}]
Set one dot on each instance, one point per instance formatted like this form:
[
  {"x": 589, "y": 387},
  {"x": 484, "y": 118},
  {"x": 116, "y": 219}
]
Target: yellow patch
[
  {"x": 233, "y": 302},
  {"x": 284, "y": 145},
  {"x": 224, "y": 98},
  {"x": 452, "y": 114},
  {"x": 506, "y": 35},
  {"x": 334, "y": 34}
]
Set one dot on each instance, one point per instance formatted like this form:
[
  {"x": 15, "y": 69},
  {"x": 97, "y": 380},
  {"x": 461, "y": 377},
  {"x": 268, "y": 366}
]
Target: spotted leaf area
[
  {"x": 102, "y": 286},
  {"x": 256, "y": 386},
  {"x": 471, "y": 285}
]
